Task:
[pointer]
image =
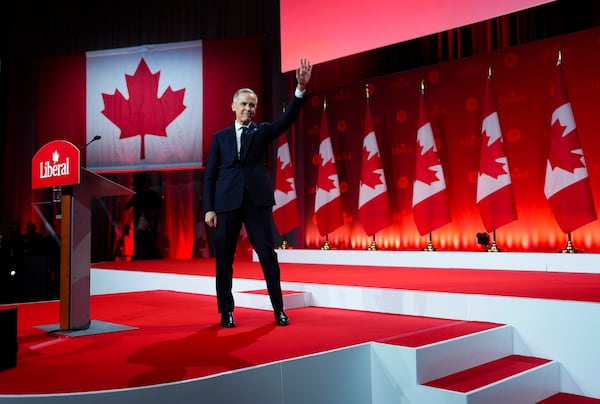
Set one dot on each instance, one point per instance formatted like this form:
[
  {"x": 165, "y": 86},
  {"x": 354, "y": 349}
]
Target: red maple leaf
[
  {"x": 368, "y": 175},
  {"x": 144, "y": 113},
  {"x": 423, "y": 171},
  {"x": 324, "y": 181},
  {"x": 283, "y": 180},
  {"x": 561, "y": 148},
  {"x": 489, "y": 157}
]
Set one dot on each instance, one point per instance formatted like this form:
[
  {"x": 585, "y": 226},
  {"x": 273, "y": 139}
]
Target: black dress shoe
[
  {"x": 227, "y": 320},
  {"x": 281, "y": 318}
]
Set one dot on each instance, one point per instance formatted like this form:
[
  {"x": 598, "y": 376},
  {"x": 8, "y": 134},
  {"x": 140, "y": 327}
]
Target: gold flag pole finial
[
  {"x": 490, "y": 72},
  {"x": 324, "y": 103},
  {"x": 368, "y": 94},
  {"x": 559, "y": 60},
  {"x": 422, "y": 86}
]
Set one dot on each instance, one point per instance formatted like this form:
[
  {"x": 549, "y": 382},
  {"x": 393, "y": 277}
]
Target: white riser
[
  {"x": 261, "y": 300},
  {"x": 526, "y": 388},
  {"x": 451, "y": 356},
  {"x": 398, "y": 372}
]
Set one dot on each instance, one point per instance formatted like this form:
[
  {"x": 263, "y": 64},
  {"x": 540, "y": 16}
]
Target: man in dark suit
[{"x": 238, "y": 190}]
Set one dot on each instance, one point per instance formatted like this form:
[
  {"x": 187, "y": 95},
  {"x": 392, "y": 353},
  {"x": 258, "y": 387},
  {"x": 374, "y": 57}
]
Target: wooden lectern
[
  {"x": 75, "y": 250},
  {"x": 58, "y": 164}
]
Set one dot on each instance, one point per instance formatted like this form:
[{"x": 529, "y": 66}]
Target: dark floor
[{"x": 31, "y": 278}]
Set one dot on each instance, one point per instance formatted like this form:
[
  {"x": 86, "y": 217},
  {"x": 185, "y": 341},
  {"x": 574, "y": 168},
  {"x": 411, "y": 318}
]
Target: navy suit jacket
[{"x": 226, "y": 177}]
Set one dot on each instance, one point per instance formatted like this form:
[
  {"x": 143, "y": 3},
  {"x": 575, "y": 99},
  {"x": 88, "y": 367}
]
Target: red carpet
[
  {"x": 487, "y": 373},
  {"x": 178, "y": 338}
]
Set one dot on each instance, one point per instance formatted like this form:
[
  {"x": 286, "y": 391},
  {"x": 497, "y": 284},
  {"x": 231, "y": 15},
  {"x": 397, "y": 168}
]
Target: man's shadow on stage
[{"x": 211, "y": 348}]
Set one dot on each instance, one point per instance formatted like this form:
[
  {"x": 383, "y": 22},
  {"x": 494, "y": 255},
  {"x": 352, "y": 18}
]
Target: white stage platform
[
  {"x": 552, "y": 262},
  {"x": 563, "y": 331}
]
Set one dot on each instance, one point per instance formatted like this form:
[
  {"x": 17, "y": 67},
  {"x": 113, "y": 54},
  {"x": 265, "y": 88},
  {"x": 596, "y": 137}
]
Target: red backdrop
[
  {"x": 61, "y": 115},
  {"x": 523, "y": 78}
]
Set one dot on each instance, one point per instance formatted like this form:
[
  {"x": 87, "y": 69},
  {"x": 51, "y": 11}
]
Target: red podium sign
[{"x": 55, "y": 164}]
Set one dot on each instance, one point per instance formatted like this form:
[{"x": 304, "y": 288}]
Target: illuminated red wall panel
[
  {"x": 327, "y": 30},
  {"x": 523, "y": 80}
]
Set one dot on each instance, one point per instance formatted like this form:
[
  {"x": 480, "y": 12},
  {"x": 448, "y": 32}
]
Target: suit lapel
[{"x": 232, "y": 140}]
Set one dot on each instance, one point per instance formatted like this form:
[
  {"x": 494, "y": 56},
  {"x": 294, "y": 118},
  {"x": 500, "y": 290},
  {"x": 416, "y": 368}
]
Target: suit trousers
[{"x": 258, "y": 222}]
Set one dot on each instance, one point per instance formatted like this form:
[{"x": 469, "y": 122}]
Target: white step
[{"x": 259, "y": 299}]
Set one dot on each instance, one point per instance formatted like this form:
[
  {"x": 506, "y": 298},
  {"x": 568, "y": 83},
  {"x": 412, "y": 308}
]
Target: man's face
[{"x": 244, "y": 107}]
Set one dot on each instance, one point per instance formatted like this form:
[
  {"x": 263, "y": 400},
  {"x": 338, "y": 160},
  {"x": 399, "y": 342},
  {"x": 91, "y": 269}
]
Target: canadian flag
[
  {"x": 328, "y": 198},
  {"x": 429, "y": 202},
  {"x": 146, "y": 103},
  {"x": 495, "y": 199},
  {"x": 285, "y": 211},
  {"x": 567, "y": 186},
  {"x": 373, "y": 202}
]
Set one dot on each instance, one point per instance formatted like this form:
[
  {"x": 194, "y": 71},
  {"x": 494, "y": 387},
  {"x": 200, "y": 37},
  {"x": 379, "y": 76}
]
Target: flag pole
[
  {"x": 373, "y": 246},
  {"x": 493, "y": 247},
  {"x": 569, "y": 249},
  {"x": 430, "y": 246},
  {"x": 325, "y": 246},
  {"x": 284, "y": 244}
]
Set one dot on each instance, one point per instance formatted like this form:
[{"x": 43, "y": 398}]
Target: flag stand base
[
  {"x": 326, "y": 246},
  {"x": 569, "y": 249},
  {"x": 373, "y": 246},
  {"x": 284, "y": 245},
  {"x": 429, "y": 247},
  {"x": 493, "y": 248}
]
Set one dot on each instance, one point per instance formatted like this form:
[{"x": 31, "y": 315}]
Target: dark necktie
[{"x": 243, "y": 140}]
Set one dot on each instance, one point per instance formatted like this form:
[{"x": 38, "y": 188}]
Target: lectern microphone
[{"x": 97, "y": 137}]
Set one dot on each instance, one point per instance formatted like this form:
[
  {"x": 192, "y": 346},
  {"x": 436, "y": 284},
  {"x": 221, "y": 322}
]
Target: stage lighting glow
[{"x": 334, "y": 30}]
